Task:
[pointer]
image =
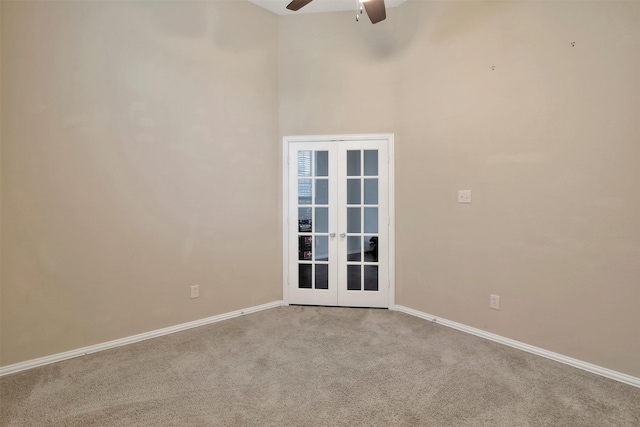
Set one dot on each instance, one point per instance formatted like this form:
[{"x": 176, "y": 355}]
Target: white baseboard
[
  {"x": 608, "y": 373},
  {"x": 17, "y": 367}
]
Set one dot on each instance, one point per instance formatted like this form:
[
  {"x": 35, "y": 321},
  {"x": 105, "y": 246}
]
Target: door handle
[
  {"x": 342, "y": 235},
  {"x": 332, "y": 234}
]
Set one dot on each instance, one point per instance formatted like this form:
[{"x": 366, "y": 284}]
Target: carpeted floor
[{"x": 315, "y": 366}]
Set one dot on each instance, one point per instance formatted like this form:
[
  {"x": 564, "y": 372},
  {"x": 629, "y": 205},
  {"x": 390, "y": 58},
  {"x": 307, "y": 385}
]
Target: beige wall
[
  {"x": 548, "y": 141},
  {"x": 139, "y": 157}
]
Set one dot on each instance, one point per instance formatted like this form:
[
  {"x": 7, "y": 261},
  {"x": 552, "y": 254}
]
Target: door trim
[{"x": 389, "y": 138}]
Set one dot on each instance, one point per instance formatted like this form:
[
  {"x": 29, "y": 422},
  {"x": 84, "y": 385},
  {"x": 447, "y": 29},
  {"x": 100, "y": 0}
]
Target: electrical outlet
[
  {"x": 464, "y": 196},
  {"x": 195, "y": 291},
  {"x": 494, "y": 302}
]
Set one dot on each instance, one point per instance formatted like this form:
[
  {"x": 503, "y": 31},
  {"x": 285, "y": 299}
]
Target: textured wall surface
[
  {"x": 535, "y": 107},
  {"x": 139, "y": 157}
]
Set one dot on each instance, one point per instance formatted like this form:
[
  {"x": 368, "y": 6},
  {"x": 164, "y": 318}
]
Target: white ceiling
[{"x": 280, "y": 6}]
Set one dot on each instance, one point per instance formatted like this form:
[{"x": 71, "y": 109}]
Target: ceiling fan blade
[
  {"x": 298, "y": 4},
  {"x": 376, "y": 10}
]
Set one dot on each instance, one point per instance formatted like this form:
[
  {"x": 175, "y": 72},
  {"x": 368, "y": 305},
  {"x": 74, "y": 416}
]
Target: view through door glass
[
  {"x": 313, "y": 219},
  {"x": 362, "y": 220},
  {"x": 338, "y": 223}
]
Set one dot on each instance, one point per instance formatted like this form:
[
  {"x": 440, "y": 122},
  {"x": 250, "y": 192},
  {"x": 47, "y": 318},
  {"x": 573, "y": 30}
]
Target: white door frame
[{"x": 389, "y": 138}]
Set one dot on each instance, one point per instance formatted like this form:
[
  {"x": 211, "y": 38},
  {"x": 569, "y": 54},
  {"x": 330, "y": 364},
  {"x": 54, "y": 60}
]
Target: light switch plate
[{"x": 464, "y": 196}]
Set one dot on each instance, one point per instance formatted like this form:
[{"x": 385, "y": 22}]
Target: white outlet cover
[
  {"x": 464, "y": 196},
  {"x": 494, "y": 302}
]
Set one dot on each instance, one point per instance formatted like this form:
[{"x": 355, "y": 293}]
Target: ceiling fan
[{"x": 375, "y": 8}]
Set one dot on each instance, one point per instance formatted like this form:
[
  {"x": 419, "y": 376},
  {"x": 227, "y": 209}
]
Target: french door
[{"x": 338, "y": 222}]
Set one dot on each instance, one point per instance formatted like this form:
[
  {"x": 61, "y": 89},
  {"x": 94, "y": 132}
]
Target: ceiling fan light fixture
[{"x": 375, "y": 8}]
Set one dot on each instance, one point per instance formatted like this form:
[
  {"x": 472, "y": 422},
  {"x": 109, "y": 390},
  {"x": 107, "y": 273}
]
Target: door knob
[
  {"x": 342, "y": 235},
  {"x": 332, "y": 234}
]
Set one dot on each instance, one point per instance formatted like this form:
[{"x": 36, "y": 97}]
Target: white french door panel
[
  {"x": 312, "y": 220},
  {"x": 337, "y": 232},
  {"x": 363, "y": 223}
]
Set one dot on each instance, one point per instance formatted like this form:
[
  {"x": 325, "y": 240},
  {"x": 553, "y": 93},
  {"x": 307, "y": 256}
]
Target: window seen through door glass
[
  {"x": 304, "y": 163},
  {"x": 304, "y": 191}
]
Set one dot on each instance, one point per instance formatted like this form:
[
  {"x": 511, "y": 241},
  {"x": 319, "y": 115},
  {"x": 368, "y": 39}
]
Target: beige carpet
[{"x": 315, "y": 366}]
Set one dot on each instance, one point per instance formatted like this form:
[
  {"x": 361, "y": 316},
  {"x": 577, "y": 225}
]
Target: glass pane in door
[
  {"x": 371, "y": 248},
  {"x": 304, "y": 191},
  {"x": 322, "y": 248},
  {"x": 304, "y": 276},
  {"x": 322, "y": 276},
  {"x": 322, "y": 191},
  {"x": 370, "y": 277},
  {"x": 304, "y": 163},
  {"x": 371, "y": 162},
  {"x": 322, "y": 220},
  {"x": 353, "y": 248},
  {"x": 354, "y": 278},
  {"x": 353, "y": 163},
  {"x": 304, "y": 248},
  {"x": 304, "y": 220},
  {"x": 370, "y": 192},
  {"x": 353, "y": 191},
  {"x": 322, "y": 163},
  {"x": 353, "y": 220},
  {"x": 370, "y": 220}
]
